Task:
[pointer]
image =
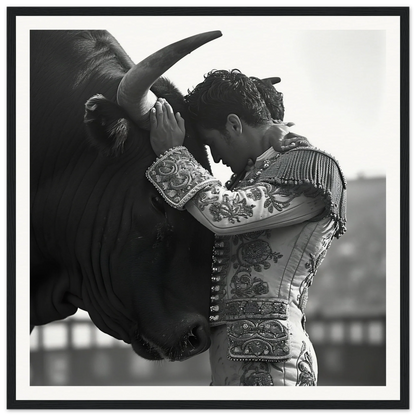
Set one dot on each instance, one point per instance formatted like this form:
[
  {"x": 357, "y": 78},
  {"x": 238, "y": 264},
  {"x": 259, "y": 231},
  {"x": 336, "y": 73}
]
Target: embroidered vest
[{"x": 261, "y": 279}]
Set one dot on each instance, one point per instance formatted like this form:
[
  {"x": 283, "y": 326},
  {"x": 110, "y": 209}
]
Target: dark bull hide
[{"x": 101, "y": 238}]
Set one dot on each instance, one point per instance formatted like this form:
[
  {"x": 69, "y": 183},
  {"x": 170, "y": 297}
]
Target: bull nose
[{"x": 195, "y": 342}]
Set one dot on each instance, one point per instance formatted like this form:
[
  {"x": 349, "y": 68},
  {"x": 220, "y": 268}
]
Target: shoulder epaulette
[{"x": 317, "y": 169}]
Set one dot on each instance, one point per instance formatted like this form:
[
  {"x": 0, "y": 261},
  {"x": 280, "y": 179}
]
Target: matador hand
[
  {"x": 281, "y": 139},
  {"x": 167, "y": 129}
]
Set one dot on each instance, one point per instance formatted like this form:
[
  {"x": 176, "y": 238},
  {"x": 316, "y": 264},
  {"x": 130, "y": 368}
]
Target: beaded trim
[
  {"x": 220, "y": 266},
  {"x": 265, "y": 308},
  {"x": 178, "y": 176}
]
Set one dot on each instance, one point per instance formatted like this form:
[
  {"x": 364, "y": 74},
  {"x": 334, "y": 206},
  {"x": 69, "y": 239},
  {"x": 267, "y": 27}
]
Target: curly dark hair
[{"x": 224, "y": 92}]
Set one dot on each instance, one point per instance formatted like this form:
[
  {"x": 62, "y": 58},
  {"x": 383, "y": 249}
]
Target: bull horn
[
  {"x": 134, "y": 93},
  {"x": 272, "y": 80}
]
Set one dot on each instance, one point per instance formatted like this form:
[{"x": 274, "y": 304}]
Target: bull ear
[
  {"x": 107, "y": 125},
  {"x": 271, "y": 80}
]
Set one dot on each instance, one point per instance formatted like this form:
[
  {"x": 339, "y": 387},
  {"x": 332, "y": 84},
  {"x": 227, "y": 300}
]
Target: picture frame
[{"x": 394, "y": 21}]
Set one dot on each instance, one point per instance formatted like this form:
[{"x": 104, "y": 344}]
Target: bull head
[{"x": 101, "y": 238}]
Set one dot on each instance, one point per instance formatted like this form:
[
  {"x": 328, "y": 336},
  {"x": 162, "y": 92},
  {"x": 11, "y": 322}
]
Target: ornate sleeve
[
  {"x": 178, "y": 176},
  {"x": 253, "y": 208},
  {"x": 182, "y": 181}
]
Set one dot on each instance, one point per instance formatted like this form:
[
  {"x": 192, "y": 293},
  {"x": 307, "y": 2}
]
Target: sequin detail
[
  {"x": 230, "y": 208},
  {"x": 306, "y": 374},
  {"x": 265, "y": 340},
  {"x": 256, "y": 374},
  {"x": 255, "y": 309},
  {"x": 178, "y": 176}
]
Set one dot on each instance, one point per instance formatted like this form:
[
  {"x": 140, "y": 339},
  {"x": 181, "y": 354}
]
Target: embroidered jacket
[{"x": 272, "y": 233}]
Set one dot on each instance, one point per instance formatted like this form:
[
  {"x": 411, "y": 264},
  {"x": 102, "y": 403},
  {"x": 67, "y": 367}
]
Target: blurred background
[{"x": 338, "y": 89}]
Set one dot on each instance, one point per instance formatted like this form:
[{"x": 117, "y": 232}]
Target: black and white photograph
[{"x": 208, "y": 198}]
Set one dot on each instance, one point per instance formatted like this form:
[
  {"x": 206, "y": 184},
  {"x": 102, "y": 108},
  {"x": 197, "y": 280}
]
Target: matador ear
[{"x": 107, "y": 124}]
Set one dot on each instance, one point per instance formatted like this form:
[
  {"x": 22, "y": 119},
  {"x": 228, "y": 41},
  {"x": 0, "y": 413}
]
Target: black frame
[{"x": 12, "y": 402}]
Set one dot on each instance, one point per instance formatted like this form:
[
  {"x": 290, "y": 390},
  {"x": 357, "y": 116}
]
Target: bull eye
[{"x": 158, "y": 204}]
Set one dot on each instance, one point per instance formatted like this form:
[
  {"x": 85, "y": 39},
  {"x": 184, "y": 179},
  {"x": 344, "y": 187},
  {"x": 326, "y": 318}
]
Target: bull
[{"x": 102, "y": 239}]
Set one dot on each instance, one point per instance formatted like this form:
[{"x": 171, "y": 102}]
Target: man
[{"x": 273, "y": 227}]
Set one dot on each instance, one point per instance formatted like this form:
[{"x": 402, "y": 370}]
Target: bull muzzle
[{"x": 134, "y": 93}]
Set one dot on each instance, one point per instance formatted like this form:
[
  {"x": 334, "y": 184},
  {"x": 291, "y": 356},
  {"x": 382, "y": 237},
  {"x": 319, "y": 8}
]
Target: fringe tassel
[{"x": 319, "y": 170}]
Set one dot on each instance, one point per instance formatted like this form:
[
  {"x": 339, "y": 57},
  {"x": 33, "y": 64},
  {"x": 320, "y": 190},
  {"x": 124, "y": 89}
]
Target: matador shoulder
[{"x": 316, "y": 173}]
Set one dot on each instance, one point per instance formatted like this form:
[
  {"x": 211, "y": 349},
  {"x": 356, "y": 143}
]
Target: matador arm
[{"x": 184, "y": 184}]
